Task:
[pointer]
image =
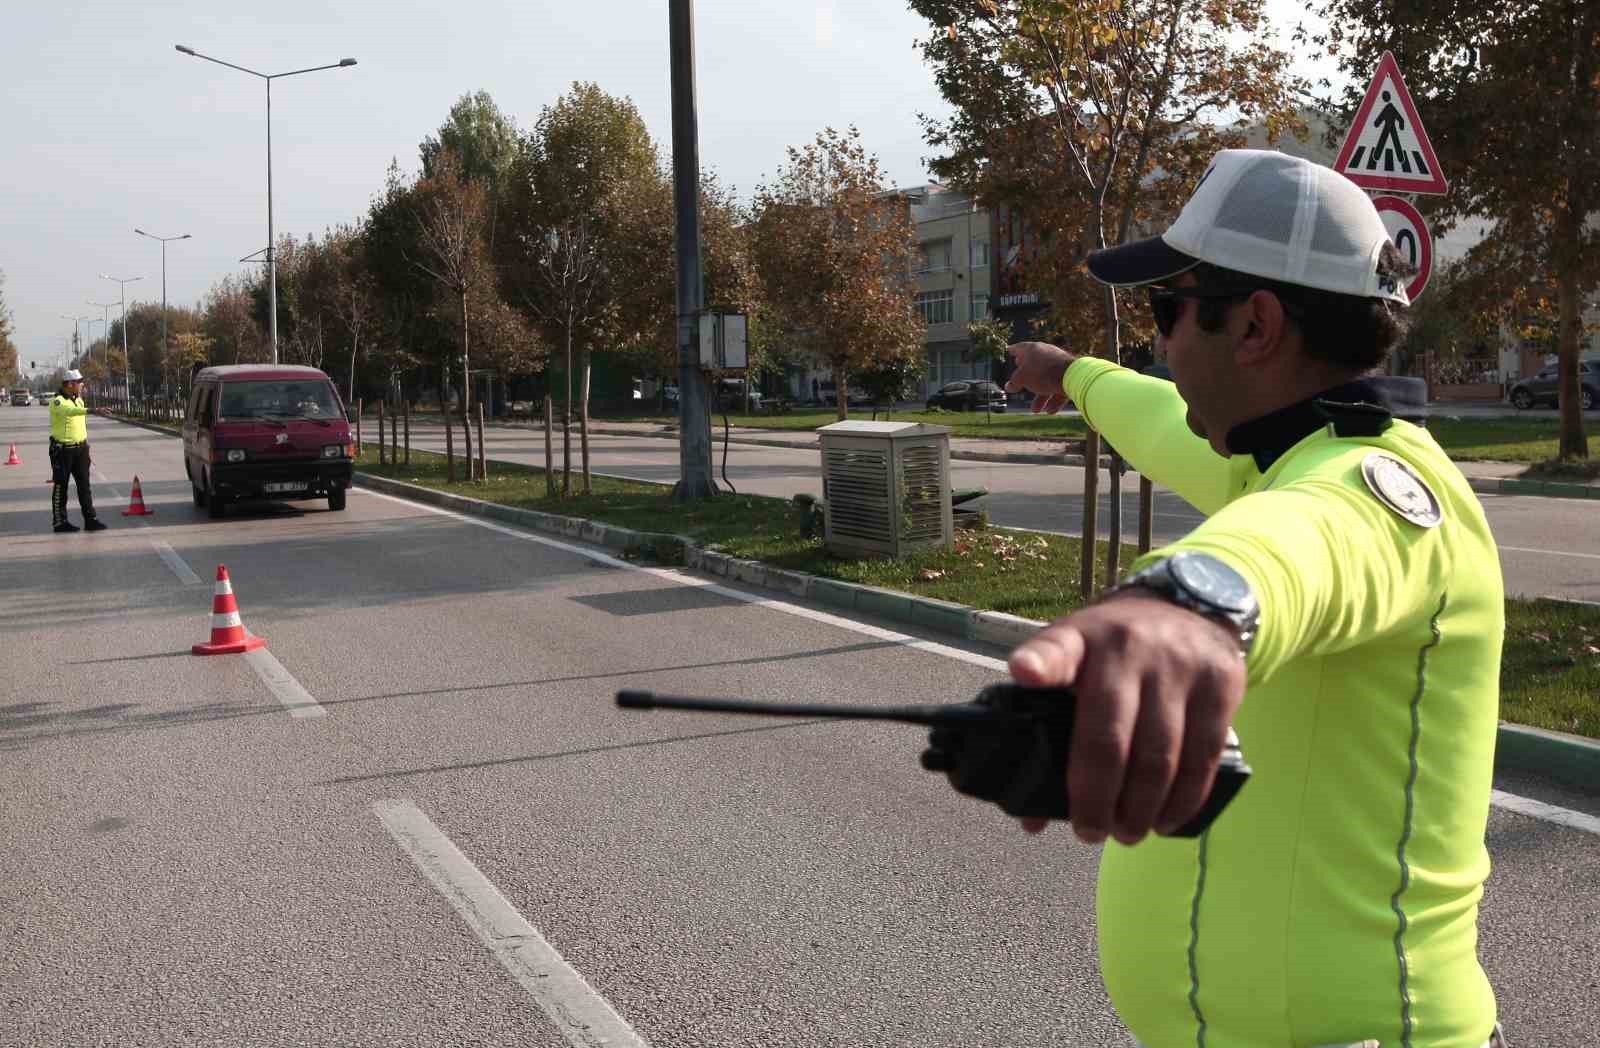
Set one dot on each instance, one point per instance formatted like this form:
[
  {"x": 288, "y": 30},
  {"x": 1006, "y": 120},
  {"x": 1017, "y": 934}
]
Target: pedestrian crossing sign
[{"x": 1386, "y": 147}]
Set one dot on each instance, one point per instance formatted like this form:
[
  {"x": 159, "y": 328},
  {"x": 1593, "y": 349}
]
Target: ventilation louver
[{"x": 886, "y": 487}]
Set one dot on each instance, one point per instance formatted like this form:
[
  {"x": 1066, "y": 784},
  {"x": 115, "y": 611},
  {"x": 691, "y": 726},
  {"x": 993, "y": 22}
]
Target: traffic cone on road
[
  {"x": 13, "y": 460},
  {"x": 228, "y": 635},
  {"x": 136, "y": 506}
]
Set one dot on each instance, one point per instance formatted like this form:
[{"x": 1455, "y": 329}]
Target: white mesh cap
[{"x": 1270, "y": 215}]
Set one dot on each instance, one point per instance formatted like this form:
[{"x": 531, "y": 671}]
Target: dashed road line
[
  {"x": 585, "y": 1019},
  {"x": 282, "y": 684},
  {"x": 175, "y": 562}
]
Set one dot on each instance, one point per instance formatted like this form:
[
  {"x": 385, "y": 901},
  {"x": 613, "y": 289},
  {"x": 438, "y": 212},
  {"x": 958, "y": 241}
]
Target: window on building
[
  {"x": 937, "y": 307},
  {"x": 980, "y": 307},
  {"x": 980, "y": 254},
  {"x": 935, "y": 255}
]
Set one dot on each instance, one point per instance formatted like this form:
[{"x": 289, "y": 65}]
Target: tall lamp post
[
  {"x": 105, "y": 308},
  {"x": 75, "y": 341},
  {"x": 164, "y": 241},
  {"x": 272, "y": 266},
  {"x": 127, "y": 372}
]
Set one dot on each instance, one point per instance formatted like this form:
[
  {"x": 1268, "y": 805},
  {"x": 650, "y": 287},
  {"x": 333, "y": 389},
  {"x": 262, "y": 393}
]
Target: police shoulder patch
[{"x": 1399, "y": 487}]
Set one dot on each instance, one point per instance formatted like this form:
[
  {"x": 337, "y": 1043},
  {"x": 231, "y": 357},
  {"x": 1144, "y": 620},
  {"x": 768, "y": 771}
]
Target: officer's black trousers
[{"x": 69, "y": 462}]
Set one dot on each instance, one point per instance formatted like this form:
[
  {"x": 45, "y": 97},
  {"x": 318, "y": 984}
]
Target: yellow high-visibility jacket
[
  {"x": 1336, "y": 899},
  {"x": 68, "y": 423}
]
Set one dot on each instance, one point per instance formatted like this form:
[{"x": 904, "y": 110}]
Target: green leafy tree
[
  {"x": 834, "y": 251},
  {"x": 1510, "y": 92},
  {"x": 579, "y": 253},
  {"x": 9, "y": 365}
]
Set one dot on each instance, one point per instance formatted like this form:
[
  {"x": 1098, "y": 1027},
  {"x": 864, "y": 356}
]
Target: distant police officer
[
  {"x": 1341, "y": 606},
  {"x": 69, "y": 455}
]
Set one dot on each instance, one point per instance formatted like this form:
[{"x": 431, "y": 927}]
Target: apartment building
[{"x": 953, "y": 279}]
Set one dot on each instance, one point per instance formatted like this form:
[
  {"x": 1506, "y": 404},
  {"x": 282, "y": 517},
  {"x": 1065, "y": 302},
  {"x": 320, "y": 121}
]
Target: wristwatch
[{"x": 1204, "y": 585}]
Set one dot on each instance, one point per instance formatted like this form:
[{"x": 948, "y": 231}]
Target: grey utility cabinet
[{"x": 885, "y": 487}]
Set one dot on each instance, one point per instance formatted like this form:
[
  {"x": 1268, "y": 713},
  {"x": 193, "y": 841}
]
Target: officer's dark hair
[{"x": 1348, "y": 330}]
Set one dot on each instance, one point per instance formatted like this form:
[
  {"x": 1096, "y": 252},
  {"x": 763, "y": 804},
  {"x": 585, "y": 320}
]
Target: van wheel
[
  {"x": 199, "y": 496},
  {"x": 336, "y": 499},
  {"x": 215, "y": 503}
]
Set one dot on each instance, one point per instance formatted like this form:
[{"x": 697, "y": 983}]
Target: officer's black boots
[
  {"x": 66, "y": 526},
  {"x": 93, "y": 524}
]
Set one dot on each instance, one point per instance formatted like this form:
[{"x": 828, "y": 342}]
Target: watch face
[{"x": 1213, "y": 581}]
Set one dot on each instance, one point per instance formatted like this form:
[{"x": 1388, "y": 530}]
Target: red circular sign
[{"x": 1410, "y": 234}]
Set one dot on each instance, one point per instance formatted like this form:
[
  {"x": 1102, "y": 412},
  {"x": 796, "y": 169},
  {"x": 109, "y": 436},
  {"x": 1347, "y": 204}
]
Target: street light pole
[
  {"x": 272, "y": 264},
  {"x": 184, "y": 236},
  {"x": 127, "y": 371}
]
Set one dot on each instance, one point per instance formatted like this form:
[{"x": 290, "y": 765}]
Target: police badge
[{"x": 1399, "y": 487}]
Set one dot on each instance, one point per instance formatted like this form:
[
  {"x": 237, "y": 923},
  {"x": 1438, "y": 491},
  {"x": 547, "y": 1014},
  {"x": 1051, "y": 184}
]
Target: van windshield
[{"x": 278, "y": 398}]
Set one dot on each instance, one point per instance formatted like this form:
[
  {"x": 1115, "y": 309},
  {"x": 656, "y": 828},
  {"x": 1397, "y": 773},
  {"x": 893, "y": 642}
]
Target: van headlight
[
  {"x": 236, "y": 454},
  {"x": 332, "y": 451}
]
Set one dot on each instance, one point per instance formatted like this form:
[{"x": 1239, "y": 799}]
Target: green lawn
[{"x": 1550, "y": 676}]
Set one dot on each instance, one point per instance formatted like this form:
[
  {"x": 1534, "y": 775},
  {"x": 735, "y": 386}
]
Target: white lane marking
[
  {"x": 1552, "y": 552},
  {"x": 833, "y": 620},
  {"x": 282, "y": 684},
  {"x": 589, "y": 553},
  {"x": 175, "y": 562},
  {"x": 585, "y": 1019},
  {"x": 1577, "y": 820}
]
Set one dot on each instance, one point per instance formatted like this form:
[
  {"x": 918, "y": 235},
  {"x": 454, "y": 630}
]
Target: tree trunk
[
  {"x": 360, "y": 449},
  {"x": 354, "y": 343},
  {"x": 444, "y": 412},
  {"x": 1574, "y": 445},
  {"x": 383, "y": 436},
  {"x": 566, "y": 423},
  {"x": 844, "y": 399},
  {"x": 483, "y": 458},
  {"x": 583, "y": 424},
  {"x": 406, "y": 406},
  {"x": 466, "y": 388},
  {"x": 549, "y": 453}
]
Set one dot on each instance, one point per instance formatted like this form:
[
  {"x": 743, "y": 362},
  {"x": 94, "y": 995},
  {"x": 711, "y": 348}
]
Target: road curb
[
  {"x": 1568, "y": 759},
  {"x": 1547, "y": 488}
]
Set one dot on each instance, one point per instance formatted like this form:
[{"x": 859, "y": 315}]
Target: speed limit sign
[{"x": 1410, "y": 234}]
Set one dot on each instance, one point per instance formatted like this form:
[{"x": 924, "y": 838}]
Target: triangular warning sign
[{"x": 1387, "y": 147}]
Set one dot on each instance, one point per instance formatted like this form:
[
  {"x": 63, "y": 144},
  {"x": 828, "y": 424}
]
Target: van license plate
[{"x": 287, "y": 485}]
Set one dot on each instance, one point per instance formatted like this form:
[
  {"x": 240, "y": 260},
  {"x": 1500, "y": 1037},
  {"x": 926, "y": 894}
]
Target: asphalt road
[
  {"x": 1548, "y": 547},
  {"x": 449, "y": 835}
]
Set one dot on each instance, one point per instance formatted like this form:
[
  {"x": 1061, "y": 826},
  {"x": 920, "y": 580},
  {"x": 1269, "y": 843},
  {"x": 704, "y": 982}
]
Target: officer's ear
[{"x": 1262, "y": 326}]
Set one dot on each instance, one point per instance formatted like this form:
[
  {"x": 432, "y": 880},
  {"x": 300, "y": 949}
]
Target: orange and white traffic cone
[
  {"x": 136, "y": 506},
  {"x": 228, "y": 635},
  {"x": 13, "y": 460}
]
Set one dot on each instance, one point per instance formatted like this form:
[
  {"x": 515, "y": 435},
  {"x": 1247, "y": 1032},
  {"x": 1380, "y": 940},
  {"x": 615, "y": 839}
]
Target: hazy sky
[{"x": 105, "y": 127}]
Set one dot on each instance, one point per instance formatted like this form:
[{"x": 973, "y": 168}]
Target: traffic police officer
[
  {"x": 69, "y": 455},
  {"x": 1341, "y": 606}
]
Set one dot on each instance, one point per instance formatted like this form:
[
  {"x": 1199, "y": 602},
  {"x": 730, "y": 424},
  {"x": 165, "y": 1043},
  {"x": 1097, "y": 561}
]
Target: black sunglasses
[{"x": 1166, "y": 303}]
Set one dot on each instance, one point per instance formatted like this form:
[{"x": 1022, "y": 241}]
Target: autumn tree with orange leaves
[{"x": 834, "y": 251}]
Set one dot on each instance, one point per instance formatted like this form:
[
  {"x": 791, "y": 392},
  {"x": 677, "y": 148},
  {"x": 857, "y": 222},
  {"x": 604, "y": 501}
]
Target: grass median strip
[{"x": 1550, "y": 677}]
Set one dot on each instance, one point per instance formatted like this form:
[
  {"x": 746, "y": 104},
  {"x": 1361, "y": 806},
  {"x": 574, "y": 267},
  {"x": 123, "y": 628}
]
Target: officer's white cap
[
  {"x": 1270, "y": 215},
  {"x": 73, "y": 376}
]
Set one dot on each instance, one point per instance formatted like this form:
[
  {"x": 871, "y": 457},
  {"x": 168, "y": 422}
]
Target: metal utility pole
[
  {"x": 694, "y": 409},
  {"x": 272, "y": 266},
  {"x": 185, "y": 236},
  {"x": 127, "y": 369}
]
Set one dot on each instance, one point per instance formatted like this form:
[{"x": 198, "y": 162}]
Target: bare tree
[
  {"x": 451, "y": 215},
  {"x": 568, "y": 266}
]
